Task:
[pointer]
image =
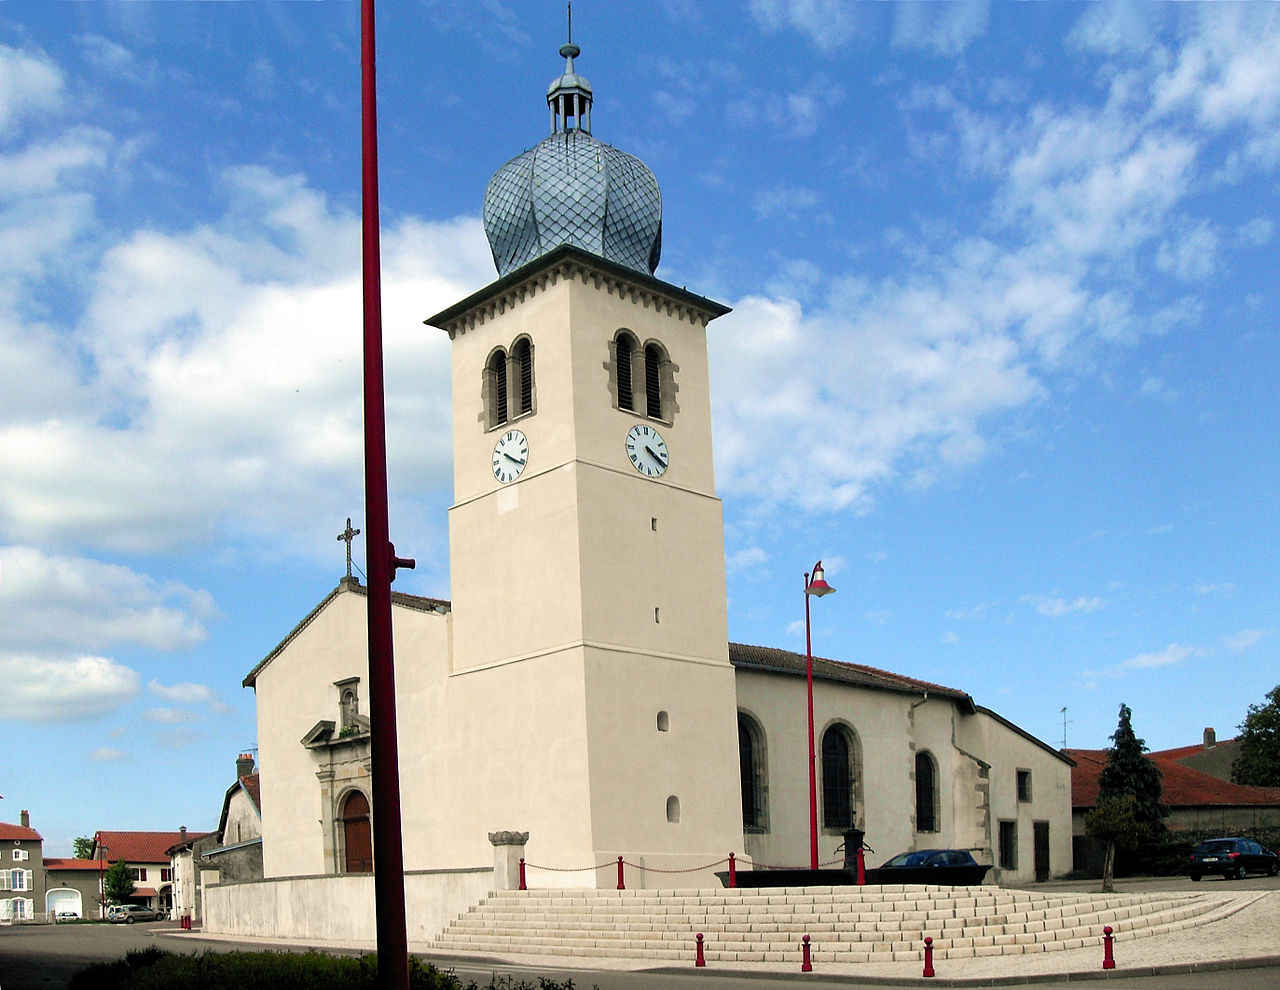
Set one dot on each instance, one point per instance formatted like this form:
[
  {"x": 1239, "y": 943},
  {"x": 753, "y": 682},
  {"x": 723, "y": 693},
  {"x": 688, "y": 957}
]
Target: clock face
[
  {"x": 646, "y": 450},
  {"x": 510, "y": 454}
]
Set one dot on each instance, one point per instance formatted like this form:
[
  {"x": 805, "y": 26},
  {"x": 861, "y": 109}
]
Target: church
[{"x": 579, "y": 685}]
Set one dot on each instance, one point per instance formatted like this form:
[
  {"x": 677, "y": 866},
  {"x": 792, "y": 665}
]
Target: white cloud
[
  {"x": 56, "y": 602},
  {"x": 39, "y": 690},
  {"x": 168, "y": 716},
  {"x": 239, "y": 333},
  {"x": 1055, "y": 607},
  {"x": 979, "y": 611},
  {"x": 1190, "y": 253},
  {"x": 29, "y": 83},
  {"x": 1115, "y": 26},
  {"x": 949, "y": 638},
  {"x": 1154, "y": 387},
  {"x": 829, "y": 24},
  {"x": 746, "y": 559},
  {"x": 106, "y": 754},
  {"x": 1171, "y": 654},
  {"x": 1257, "y": 232},
  {"x": 1220, "y": 588},
  {"x": 941, "y": 28},
  {"x": 188, "y": 693},
  {"x": 1244, "y": 639},
  {"x": 783, "y": 200}
]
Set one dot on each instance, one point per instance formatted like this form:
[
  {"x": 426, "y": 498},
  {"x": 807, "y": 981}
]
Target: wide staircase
[{"x": 845, "y": 924}]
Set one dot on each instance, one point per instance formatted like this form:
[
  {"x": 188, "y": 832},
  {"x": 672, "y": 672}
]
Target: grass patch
[{"x": 154, "y": 969}]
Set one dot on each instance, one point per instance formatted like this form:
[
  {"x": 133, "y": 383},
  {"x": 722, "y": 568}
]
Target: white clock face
[
  {"x": 646, "y": 450},
  {"x": 510, "y": 454}
]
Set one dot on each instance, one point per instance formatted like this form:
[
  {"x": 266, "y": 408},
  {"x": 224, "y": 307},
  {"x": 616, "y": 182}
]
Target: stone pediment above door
[{"x": 325, "y": 735}]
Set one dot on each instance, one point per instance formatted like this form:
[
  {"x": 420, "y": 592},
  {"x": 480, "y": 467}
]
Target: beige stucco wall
[
  {"x": 339, "y": 908},
  {"x": 243, "y": 822},
  {"x": 296, "y": 690},
  {"x": 1008, "y": 752}
]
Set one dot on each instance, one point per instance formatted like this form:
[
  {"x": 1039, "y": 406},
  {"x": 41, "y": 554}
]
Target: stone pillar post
[{"x": 508, "y": 850}]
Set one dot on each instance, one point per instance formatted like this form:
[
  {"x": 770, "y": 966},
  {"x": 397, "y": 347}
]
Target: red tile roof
[
  {"x": 139, "y": 847},
  {"x": 71, "y": 864},
  {"x": 143, "y": 892},
  {"x": 1183, "y": 786},
  {"x": 252, "y": 787},
  {"x": 8, "y": 831}
]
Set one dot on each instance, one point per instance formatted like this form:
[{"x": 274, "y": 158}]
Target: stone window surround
[
  {"x": 667, "y": 383},
  {"x": 857, "y": 797},
  {"x": 488, "y": 384},
  {"x": 760, "y": 768}
]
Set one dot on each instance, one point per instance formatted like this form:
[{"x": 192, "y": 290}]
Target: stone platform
[{"x": 872, "y": 924}]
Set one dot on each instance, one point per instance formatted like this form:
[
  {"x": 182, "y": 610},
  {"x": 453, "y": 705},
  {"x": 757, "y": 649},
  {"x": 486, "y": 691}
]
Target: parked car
[
  {"x": 66, "y": 916},
  {"x": 1232, "y": 859},
  {"x": 953, "y": 867},
  {"x": 127, "y": 914}
]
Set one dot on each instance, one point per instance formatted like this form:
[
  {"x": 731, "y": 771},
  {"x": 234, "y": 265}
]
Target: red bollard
[
  {"x": 701, "y": 960},
  {"x": 862, "y": 869},
  {"x": 806, "y": 965},
  {"x": 733, "y": 871},
  {"x": 928, "y": 956},
  {"x": 620, "y": 886},
  {"x": 1108, "y": 959},
  {"x": 522, "y": 885}
]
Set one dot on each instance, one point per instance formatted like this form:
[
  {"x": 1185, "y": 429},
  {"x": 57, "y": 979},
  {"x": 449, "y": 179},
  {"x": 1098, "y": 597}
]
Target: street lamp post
[{"x": 817, "y": 587}]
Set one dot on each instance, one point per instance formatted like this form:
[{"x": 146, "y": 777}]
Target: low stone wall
[{"x": 339, "y": 908}]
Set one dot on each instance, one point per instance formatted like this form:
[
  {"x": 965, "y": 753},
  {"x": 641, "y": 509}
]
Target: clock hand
[
  {"x": 512, "y": 459},
  {"x": 654, "y": 454}
]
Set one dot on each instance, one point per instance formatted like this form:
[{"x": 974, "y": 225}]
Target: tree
[
  {"x": 83, "y": 847},
  {"x": 117, "y": 883},
  {"x": 1258, "y": 759},
  {"x": 1128, "y": 812}
]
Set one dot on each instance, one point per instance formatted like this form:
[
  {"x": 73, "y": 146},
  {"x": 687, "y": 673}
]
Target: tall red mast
[{"x": 381, "y": 560}]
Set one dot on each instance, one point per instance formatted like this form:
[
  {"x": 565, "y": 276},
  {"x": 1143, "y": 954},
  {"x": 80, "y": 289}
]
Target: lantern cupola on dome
[{"x": 573, "y": 189}]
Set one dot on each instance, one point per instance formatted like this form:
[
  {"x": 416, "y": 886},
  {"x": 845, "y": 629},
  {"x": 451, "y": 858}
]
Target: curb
[{"x": 1217, "y": 965}]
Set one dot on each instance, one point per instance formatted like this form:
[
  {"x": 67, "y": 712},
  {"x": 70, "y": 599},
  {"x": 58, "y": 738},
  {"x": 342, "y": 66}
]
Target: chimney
[
  {"x": 1210, "y": 738},
  {"x": 182, "y": 832},
  {"x": 24, "y": 819},
  {"x": 244, "y": 765}
]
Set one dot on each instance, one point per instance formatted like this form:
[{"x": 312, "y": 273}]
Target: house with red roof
[
  {"x": 146, "y": 855},
  {"x": 73, "y": 886},
  {"x": 22, "y": 886},
  {"x": 1198, "y": 800}
]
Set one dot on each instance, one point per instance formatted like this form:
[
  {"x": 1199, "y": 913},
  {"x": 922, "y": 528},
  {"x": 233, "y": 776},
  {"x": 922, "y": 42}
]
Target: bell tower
[{"x": 586, "y": 539}]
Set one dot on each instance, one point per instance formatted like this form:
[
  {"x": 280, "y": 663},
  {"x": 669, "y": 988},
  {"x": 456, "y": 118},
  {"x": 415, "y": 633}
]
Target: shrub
[{"x": 152, "y": 969}]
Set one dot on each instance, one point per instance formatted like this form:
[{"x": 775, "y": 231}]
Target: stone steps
[{"x": 865, "y": 924}]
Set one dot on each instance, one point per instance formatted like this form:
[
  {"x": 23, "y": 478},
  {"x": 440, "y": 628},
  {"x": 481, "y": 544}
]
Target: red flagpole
[{"x": 388, "y": 852}]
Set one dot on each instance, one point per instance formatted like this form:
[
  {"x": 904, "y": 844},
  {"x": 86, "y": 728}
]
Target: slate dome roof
[{"x": 573, "y": 189}]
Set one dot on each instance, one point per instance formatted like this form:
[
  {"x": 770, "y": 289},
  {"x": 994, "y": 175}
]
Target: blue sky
[{"x": 1002, "y": 350}]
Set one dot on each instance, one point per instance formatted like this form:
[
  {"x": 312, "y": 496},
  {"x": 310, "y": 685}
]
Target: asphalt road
[{"x": 44, "y": 957}]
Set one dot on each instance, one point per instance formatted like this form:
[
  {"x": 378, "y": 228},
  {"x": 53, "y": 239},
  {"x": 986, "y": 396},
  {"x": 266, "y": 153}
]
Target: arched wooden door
[{"x": 356, "y": 833}]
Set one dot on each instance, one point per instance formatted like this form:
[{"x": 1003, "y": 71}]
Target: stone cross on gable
[{"x": 346, "y": 536}]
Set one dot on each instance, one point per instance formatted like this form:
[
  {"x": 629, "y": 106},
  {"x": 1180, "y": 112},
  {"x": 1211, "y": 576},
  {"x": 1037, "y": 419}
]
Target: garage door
[{"x": 63, "y": 899}]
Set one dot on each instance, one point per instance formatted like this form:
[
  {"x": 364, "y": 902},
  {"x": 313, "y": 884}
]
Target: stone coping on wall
[{"x": 350, "y": 876}]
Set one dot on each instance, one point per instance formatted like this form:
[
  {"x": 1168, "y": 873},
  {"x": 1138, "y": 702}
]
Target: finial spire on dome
[{"x": 569, "y": 96}]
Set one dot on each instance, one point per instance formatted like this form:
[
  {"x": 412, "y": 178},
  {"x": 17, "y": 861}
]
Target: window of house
[
  {"x": 1008, "y": 845},
  {"x": 1024, "y": 785},
  {"x": 19, "y": 880},
  {"x": 20, "y": 854},
  {"x": 926, "y": 793},
  {"x": 522, "y": 353},
  {"x": 752, "y": 770},
  {"x": 624, "y": 346},
  {"x": 495, "y": 389},
  {"x": 653, "y": 381},
  {"x": 673, "y": 810},
  {"x": 138, "y": 872},
  {"x": 166, "y": 874}
]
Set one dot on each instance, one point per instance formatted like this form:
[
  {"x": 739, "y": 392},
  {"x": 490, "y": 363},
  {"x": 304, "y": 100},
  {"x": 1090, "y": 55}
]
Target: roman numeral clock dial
[
  {"x": 510, "y": 455},
  {"x": 647, "y": 451}
]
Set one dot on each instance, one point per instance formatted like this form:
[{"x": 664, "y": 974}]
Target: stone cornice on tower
[{"x": 568, "y": 262}]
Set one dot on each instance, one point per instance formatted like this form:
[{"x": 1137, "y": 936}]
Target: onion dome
[{"x": 573, "y": 189}]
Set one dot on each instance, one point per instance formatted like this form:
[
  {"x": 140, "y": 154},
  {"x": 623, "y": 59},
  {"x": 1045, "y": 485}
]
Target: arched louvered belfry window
[
  {"x": 837, "y": 779},
  {"x": 495, "y": 388},
  {"x": 653, "y": 381},
  {"x": 623, "y": 350},
  {"x": 926, "y": 793},
  {"x": 752, "y": 763},
  {"x": 522, "y": 355}
]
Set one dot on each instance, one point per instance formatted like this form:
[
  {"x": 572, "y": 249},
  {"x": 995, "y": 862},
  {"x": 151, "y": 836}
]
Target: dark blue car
[{"x": 1232, "y": 859}]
